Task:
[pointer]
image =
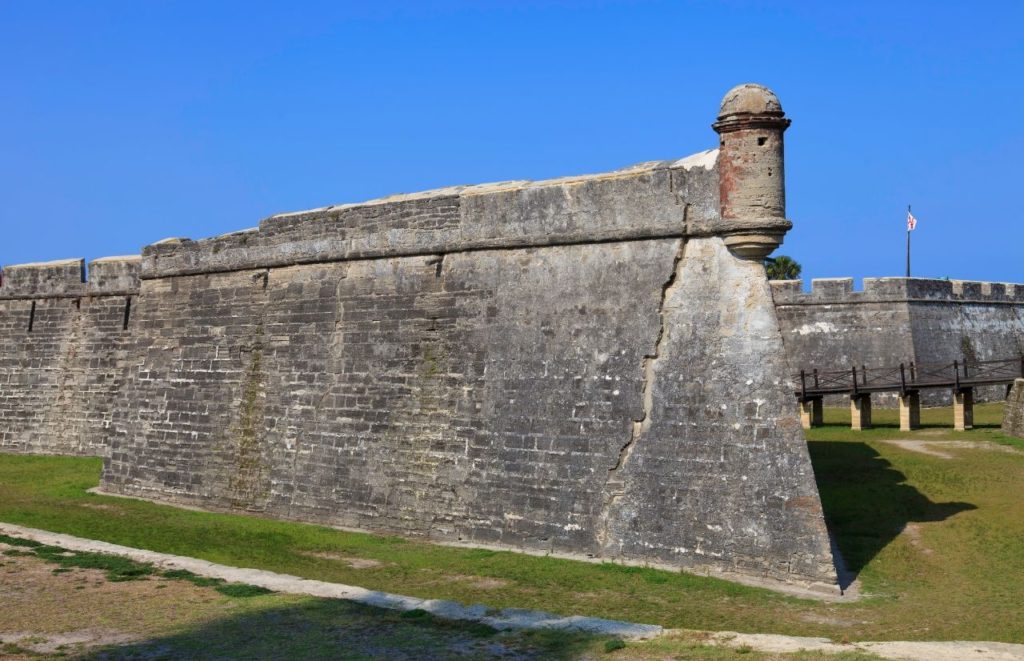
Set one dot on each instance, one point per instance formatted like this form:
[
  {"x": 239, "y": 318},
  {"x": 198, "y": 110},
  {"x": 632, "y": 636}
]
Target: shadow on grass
[
  {"x": 867, "y": 502},
  {"x": 338, "y": 629}
]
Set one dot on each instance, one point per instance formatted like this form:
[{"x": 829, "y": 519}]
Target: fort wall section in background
[{"x": 900, "y": 320}]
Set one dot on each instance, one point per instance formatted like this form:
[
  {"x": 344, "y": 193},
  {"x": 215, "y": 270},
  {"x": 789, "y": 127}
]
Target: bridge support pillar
[
  {"x": 860, "y": 411},
  {"x": 963, "y": 409},
  {"x": 910, "y": 411},
  {"x": 811, "y": 412}
]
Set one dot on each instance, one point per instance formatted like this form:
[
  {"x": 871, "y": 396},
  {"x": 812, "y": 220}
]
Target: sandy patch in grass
[
  {"x": 52, "y": 643},
  {"x": 913, "y": 532},
  {"x": 481, "y": 582},
  {"x": 935, "y": 448},
  {"x": 830, "y": 619},
  {"x": 99, "y": 506},
  {"x": 918, "y": 651},
  {"x": 351, "y": 561},
  {"x": 469, "y": 580},
  {"x": 72, "y": 611}
]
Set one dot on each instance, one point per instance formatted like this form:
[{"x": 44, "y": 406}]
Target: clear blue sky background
[{"x": 124, "y": 123}]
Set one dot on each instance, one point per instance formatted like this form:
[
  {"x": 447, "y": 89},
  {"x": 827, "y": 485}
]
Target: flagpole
[{"x": 908, "y": 243}]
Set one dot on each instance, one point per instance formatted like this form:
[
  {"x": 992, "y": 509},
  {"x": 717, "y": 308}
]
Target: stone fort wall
[
  {"x": 1013, "y": 414},
  {"x": 64, "y": 348},
  {"x": 589, "y": 366},
  {"x": 899, "y": 320}
]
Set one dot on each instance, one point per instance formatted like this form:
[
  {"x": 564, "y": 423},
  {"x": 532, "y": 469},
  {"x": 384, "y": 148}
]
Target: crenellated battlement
[
  {"x": 67, "y": 278},
  {"x": 893, "y": 290}
]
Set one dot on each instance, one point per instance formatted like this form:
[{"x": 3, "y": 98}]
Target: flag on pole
[{"x": 911, "y": 221}]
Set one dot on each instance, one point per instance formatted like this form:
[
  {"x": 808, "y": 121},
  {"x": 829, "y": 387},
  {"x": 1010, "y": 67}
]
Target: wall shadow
[
  {"x": 867, "y": 502},
  {"x": 337, "y": 629}
]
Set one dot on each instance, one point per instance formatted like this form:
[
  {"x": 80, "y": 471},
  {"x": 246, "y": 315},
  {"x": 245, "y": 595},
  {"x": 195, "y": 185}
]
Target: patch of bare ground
[
  {"x": 56, "y": 643},
  {"x": 937, "y": 448},
  {"x": 98, "y": 506},
  {"x": 913, "y": 533},
  {"x": 830, "y": 618},
  {"x": 48, "y": 610},
  {"x": 479, "y": 582},
  {"x": 351, "y": 561},
  {"x": 908, "y": 650}
]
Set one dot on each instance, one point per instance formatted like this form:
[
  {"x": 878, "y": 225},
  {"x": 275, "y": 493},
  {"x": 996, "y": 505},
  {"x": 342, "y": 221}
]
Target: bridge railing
[{"x": 909, "y": 376}]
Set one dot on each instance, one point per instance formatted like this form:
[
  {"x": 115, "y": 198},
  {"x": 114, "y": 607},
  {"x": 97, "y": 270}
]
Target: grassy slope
[{"x": 955, "y": 575}]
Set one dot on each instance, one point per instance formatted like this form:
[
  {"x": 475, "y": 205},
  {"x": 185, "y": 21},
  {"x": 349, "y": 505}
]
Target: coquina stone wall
[
  {"x": 1013, "y": 414},
  {"x": 589, "y": 366},
  {"x": 900, "y": 320},
  {"x": 63, "y": 352}
]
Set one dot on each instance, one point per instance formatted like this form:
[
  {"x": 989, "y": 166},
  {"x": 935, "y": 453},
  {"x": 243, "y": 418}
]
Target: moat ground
[
  {"x": 933, "y": 529},
  {"x": 52, "y": 610}
]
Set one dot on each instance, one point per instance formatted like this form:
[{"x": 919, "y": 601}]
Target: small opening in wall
[
  {"x": 438, "y": 264},
  {"x": 32, "y": 317},
  {"x": 761, "y": 141},
  {"x": 127, "y": 312},
  {"x": 78, "y": 304}
]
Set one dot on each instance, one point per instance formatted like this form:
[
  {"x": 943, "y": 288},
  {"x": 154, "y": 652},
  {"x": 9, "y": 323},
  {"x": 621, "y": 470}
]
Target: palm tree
[{"x": 782, "y": 268}]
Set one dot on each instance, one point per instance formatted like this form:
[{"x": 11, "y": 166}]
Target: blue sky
[{"x": 124, "y": 123}]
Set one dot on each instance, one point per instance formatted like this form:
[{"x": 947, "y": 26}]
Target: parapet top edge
[
  {"x": 75, "y": 262},
  {"x": 56, "y": 263},
  {"x": 67, "y": 278},
  {"x": 704, "y": 159},
  {"x": 899, "y": 279},
  {"x": 117, "y": 258}
]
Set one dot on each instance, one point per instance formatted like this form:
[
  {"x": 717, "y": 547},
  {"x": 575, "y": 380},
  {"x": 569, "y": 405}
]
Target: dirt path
[
  {"x": 520, "y": 619},
  {"x": 917, "y": 650}
]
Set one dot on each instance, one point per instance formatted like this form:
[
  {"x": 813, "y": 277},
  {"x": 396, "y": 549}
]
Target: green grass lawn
[{"x": 938, "y": 544}]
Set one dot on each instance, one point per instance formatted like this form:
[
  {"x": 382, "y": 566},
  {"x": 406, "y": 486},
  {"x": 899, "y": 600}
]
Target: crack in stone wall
[{"x": 615, "y": 484}]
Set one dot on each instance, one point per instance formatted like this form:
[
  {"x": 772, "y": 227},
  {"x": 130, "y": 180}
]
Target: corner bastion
[
  {"x": 900, "y": 320},
  {"x": 589, "y": 366}
]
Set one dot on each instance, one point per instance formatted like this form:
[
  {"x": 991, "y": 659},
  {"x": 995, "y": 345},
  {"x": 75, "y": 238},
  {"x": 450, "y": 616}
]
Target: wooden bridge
[{"x": 907, "y": 379}]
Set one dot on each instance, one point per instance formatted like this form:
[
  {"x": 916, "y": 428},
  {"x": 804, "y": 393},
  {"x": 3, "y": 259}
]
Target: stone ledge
[{"x": 657, "y": 199}]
